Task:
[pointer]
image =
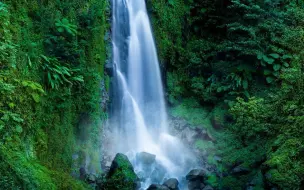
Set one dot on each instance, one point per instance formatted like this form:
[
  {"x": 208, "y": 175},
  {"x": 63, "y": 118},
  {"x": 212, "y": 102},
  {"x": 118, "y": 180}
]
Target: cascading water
[{"x": 139, "y": 113}]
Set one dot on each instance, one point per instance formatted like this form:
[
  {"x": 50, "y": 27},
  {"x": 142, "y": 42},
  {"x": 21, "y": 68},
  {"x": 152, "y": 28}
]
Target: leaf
[
  {"x": 277, "y": 74},
  {"x": 203, "y": 10},
  {"x": 78, "y": 78},
  {"x": 267, "y": 72},
  {"x": 49, "y": 76},
  {"x": 171, "y": 2},
  {"x": 11, "y": 105},
  {"x": 45, "y": 58},
  {"x": 276, "y": 67},
  {"x": 275, "y": 55},
  {"x": 245, "y": 84},
  {"x": 247, "y": 94},
  {"x": 29, "y": 61},
  {"x": 286, "y": 64},
  {"x": 52, "y": 84},
  {"x": 220, "y": 89},
  {"x": 5, "y": 117},
  {"x": 270, "y": 79},
  {"x": 260, "y": 56},
  {"x": 268, "y": 60},
  {"x": 65, "y": 21},
  {"x": 25, "y": 83},
  {"x": 287, "y": 56},
  {"x": 17, "y": 118},
  {"x": 18, "y": 129},
  {"x": 60, "y": 29},
  {"x": 36, "y": 97}
]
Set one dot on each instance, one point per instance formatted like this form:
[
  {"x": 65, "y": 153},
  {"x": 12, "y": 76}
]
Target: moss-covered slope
[{"x": 51, "y": 71}]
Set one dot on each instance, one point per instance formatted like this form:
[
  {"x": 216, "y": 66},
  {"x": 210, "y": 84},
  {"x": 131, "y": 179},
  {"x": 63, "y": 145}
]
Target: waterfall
[{"x": 138, "y": 106}]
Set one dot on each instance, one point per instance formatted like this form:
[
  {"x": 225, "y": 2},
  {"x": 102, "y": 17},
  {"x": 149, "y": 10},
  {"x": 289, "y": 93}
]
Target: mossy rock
[{"x": 121, "y": 175}]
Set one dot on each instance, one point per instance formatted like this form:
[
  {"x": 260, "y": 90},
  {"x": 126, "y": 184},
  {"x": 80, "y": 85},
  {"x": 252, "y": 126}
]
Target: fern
[
  {"x": 65, "y": 26},
  {"x": 58, "y": 75}
]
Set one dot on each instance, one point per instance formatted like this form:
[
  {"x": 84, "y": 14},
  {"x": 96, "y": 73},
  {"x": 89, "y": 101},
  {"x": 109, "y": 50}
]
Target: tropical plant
[
  {"x": 7, "y": 48},
  {"x": 64, "y": 25},
  {"x": 58, "y": 75},
  {"x": 34, "y": 89}
]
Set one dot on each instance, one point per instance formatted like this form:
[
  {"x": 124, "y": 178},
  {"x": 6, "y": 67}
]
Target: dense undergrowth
[
  {"x": 52, "y": 56},
  {"x": 242, "y": 61},
  {"x": 236, "y": 64}
]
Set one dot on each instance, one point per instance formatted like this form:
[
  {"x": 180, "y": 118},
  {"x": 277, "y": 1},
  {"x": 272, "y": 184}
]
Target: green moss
[
  {"x": 207, "y": 146},
  {"x": 123, "y": 177},
  {"x": 191, "y": 111},
  {"x": 27, "y": 173},
  {"x": 42, "y": 124}
]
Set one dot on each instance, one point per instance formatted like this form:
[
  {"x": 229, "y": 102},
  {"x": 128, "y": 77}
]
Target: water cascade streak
[{"x": 138, "y": 105}]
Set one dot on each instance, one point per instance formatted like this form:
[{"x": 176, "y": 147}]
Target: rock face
[
  {"x": 172, "y": 184},
  {"x": 158, "y": 173},
  {"x": 196, "y": 174},
  {"x": 121, "y": 175},
  {"x": 188, "y": 135},
  {"x": 145, "y": 158},
  {"x": 217, "y": 123},
  {"x": 239, "y": 170},
  {"x": 196, "y": 179}
]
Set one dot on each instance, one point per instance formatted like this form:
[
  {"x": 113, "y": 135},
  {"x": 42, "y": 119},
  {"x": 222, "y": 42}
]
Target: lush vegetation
[
  {"x": 233, "y": 67},
  {"x": 243, "y": 59},
  {"x": 52, "y": 55}
]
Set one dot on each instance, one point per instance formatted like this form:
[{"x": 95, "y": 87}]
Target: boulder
[
  {"x": 240, "y": 170},
  {"x": 172, "y": 184},
  {"x": 196, "y": 179},
  {"x": 83, "y": 173},
  {"x": 204, "y": 134},
  {"x": 91, "y": 178},
  {"x": 197, "y": 174},
  {"x": 141, "y": 176},
  {"x": 145, "y": 158},
  {"x": 158, "y": 187},
  {"x": 109, "y": 69},
  {"x": 208, "y": 187},
  {"x": 188, "y": 135},
  {"x": 196, "y": 185},
  {"x": 158, "y": 173},
  {"x": 121, "y": 174},
  {"x": 179, "y": 124}
]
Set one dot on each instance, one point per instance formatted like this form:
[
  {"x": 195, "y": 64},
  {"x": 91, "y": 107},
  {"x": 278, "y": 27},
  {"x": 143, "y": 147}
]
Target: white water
[{"x": 139, "y": 115}]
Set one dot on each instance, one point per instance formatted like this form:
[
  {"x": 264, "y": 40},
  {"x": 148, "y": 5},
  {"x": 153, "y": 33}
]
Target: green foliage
[
  {"x": 249, "y": 55},
  {"x": 223, "y": 49},
  {"x": 175, "y": 88},
  {"x": 204, "y": 146},
  {"x": 65, "y": 26},
  {"x": 286, "y": 164},
  {"x": 193, "y": 113},
  {"x": 250, "y": 118},
  {"x": 32, "y": 88},
  {"x": 50, "y": 73},
  {"x": 20, "y": 172},
  {"x": 58, "y": 75},
  {"x": 212, "y": 180},
  {"x": 7, "y": 48}
]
